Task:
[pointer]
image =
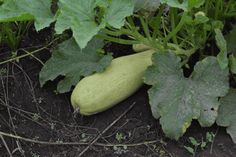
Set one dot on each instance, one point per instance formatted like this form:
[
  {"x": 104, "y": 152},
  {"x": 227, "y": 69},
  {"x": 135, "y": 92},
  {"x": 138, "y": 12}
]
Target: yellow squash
[{"x": 100, "y": 91}]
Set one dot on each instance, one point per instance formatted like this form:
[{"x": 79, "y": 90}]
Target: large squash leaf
[
  {"x": 177, "y": 100},
  {"x": 227, "y": 113},
  {"x": 24, "y": 10},
  {"x": 80, "y": 16},
  {"x": 70, "y": 61}
]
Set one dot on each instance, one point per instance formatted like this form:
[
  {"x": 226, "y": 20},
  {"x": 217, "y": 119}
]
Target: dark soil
[{"x": 39, "y": 114}]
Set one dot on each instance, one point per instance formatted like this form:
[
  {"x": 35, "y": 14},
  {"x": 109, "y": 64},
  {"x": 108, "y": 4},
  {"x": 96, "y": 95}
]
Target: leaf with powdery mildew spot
[
  {"x": 227, "y": 113},
  {"x": 177, "y": 100}
]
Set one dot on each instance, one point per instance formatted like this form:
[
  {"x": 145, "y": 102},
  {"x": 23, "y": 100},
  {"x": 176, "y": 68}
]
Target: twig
[
  {"x": 129, "y": 144},
  {"x": 106, "y": 129},
  {"x": 29, "y": 82},
  {"x": 28, "y": 54},
  {"x": 39, "y": 142},
  {"x": 36, "y": 58},
  {"x": 5, "y": 93},
  {"x": 22, "y": 56},
  {"x": 5, "y": 144},
  {"x": 76, "y": 143}
]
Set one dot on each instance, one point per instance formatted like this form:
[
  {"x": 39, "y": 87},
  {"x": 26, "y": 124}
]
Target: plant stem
[
  {"x": 230, "y": 14},
  {"x": 217, "y": 11},
  {"x": 177, "y": 28},
  {"x": 172, "y": 15},
  {"x": 145, "y": 28},
  {"x": 158, "y": 22},
  {"x": 118, "y": 40},
  {"x": 207, "y": 6},
  {"x": 113, "y": 32}
]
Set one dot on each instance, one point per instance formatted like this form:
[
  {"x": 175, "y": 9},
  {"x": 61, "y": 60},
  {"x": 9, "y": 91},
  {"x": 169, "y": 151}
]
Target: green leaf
[
  {"x": 232, "y": 64},
  {"x": 193, "y": 141},
  {"x": 177, "y": 100},
  {"x": 176, "y": 4},
  {"x": 25, "y": 10},
  {"x": 231, "y": 40},
  {"x": 147, "y": 5},
  {"x": 185, "y": 5},
  {"x": 203, "y": 144},
  {"x": 73, "y": 63},
  {"x": 227, "y": 113},
  {"x": 117, "y": 11},
  {"x": 103, "y": 3},
  {"x": 217, "y": 24},
  {"x": 222, "y": 45},
  {"x": 189, "y": 149},
  {"x": 210, "y": 137},
  {"x": 80, "y": 16},
  {"x": 200, "y": 17},
  {"x": 195, "y": 3}
]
